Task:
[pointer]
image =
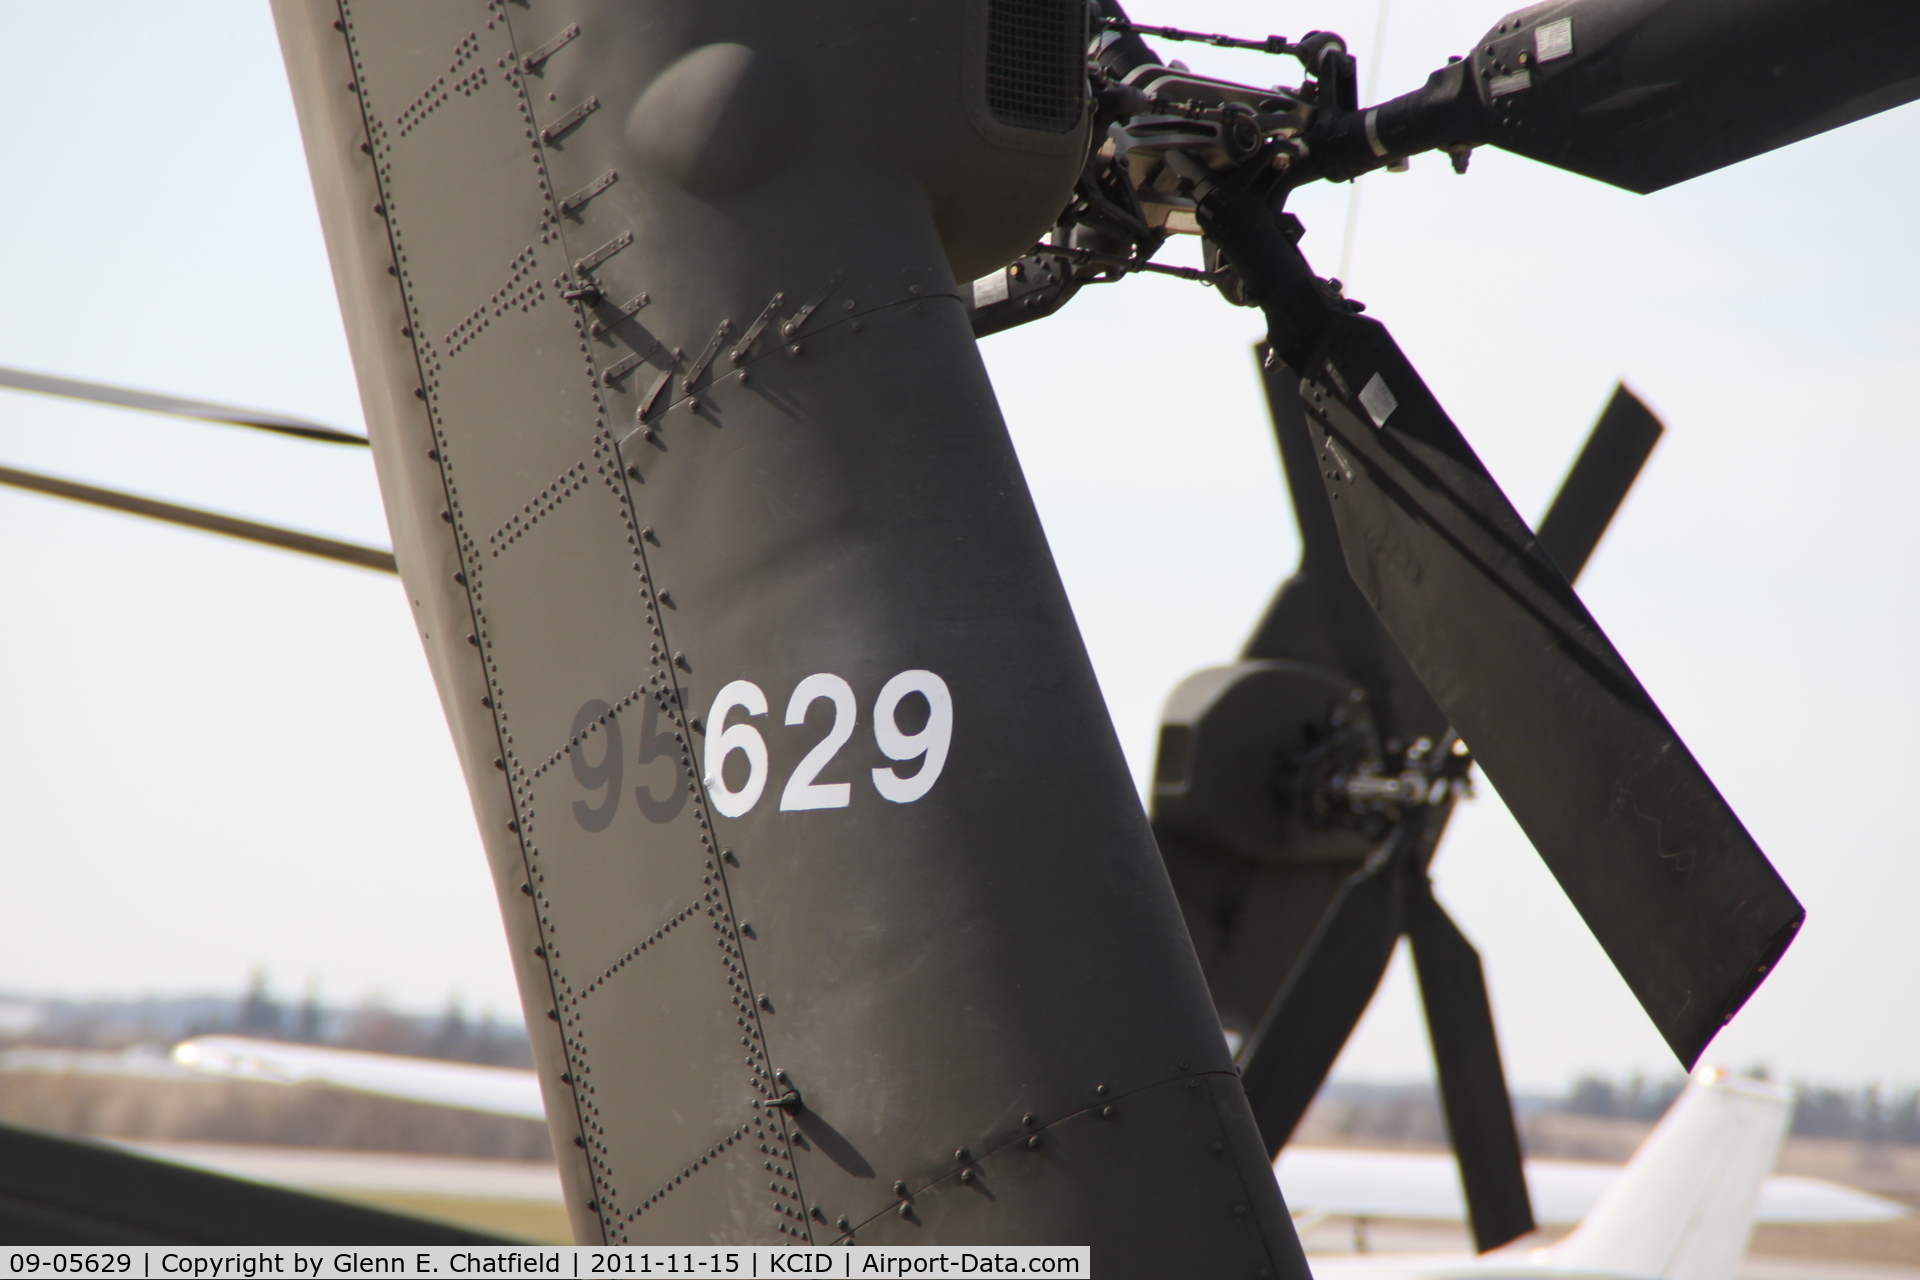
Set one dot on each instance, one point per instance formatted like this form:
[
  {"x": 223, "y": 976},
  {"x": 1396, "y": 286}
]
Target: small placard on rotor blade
[
  {"x": 990, "y": 289},
  {"x": 1378, "y": 400},
  {"x": 1553, "y": 40}
]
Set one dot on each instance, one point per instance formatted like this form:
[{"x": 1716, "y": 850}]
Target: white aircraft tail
[
  {"x": 1684, "y": 1207},
  {"x": 502, "y": 1091}
]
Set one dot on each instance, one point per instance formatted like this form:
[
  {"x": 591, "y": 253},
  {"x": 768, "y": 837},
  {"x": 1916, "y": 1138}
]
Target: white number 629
[{"x": 802, "y": 790}]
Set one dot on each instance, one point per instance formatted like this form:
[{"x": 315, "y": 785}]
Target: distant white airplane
[
  {"x": 500, "y": 1091},
  {"x": 1347, "y": 1182},
  {"x": 1682, "y": 1209}
]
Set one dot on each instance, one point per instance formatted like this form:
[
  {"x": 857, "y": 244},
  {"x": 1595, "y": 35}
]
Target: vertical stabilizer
[
  {"x": 1684, "y": 1207},
  {"x": 682, "y": 432}
]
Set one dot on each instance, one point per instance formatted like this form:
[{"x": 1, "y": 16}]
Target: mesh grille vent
[{"x": 1036, "y": 63}]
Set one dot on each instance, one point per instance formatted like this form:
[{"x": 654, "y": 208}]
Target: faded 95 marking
[
  {"x": 804, "y": 790},
  {"x": 655, "y": 743}
]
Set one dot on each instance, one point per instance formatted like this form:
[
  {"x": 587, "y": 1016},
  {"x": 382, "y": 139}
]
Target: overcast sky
[{"x": 214, "y": 756}]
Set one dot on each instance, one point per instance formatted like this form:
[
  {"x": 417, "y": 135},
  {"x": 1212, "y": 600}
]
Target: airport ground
[{"x": 496, "y": 1173}]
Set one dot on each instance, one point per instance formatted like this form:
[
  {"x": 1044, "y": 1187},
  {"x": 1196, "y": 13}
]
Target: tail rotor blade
[
  {"x": 1686, "y": 906},
  {"x": 1314, "y": 1013},
  {"x": 174, "y": 406},
  {"x": 1319, "y": 616},
  {"x": 1603, "y": 473},
  {"x": 1682, "y": 899},
  {"x": 1473, "y": 1087}
]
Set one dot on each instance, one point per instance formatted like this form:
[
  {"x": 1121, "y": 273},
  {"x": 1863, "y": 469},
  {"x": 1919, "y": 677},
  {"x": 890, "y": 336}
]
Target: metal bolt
[
  {"x": 900, "y": 1189},
  {"x": 962, "y": 1155},
  {"x": 1100, "y": 1090},
  {"x": 1033, "y": 1143},
  {"x": 966, "y": 1176},
  {"x": 766, "y": 1002},
  {"x": 1106, "y": 1112},
  {"x": 842, "y": 1223},
  {"x": 906, "y": 1208},
  {"x": 794, "y": 350}
]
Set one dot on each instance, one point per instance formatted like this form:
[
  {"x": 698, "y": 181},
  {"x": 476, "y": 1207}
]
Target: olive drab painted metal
[{"x": 833, "y": 908}]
